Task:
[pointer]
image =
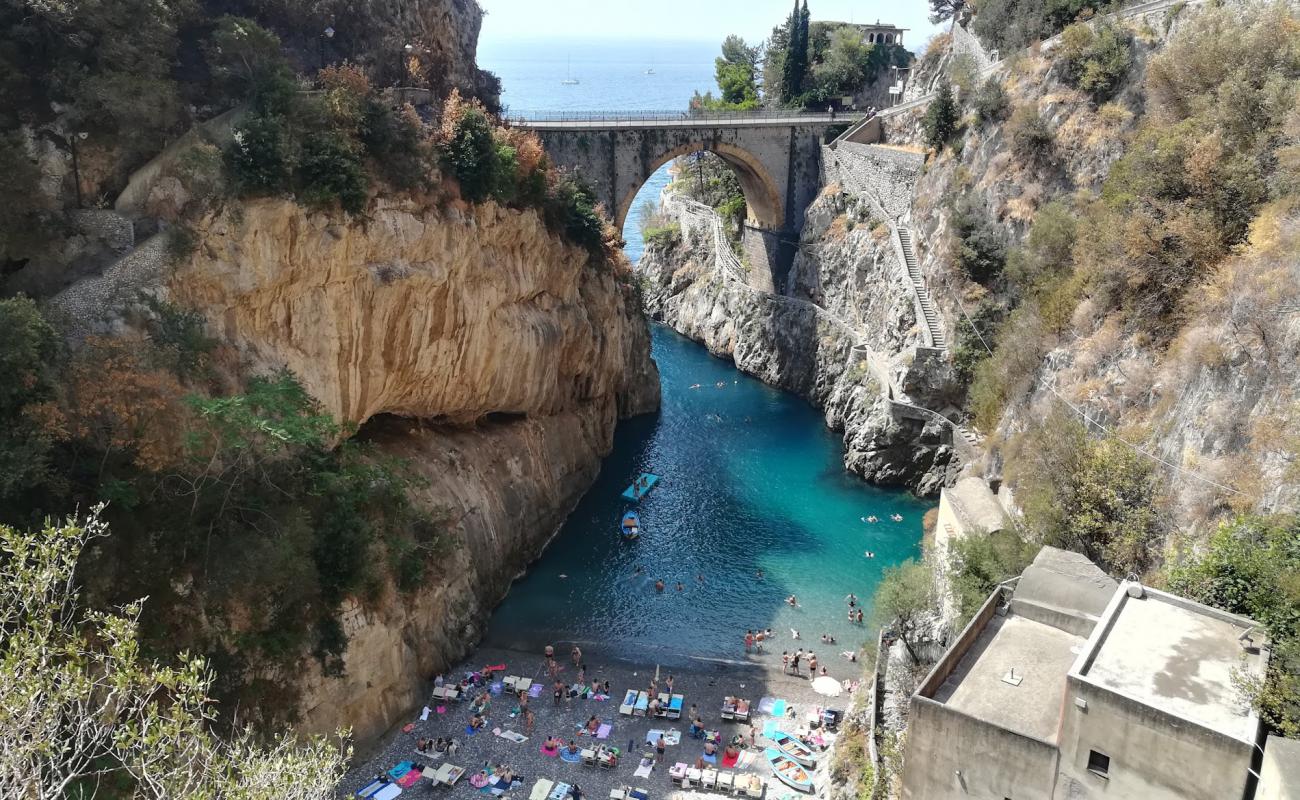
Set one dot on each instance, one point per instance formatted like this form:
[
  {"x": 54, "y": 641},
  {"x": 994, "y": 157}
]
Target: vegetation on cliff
[
  {"x": 803, "y": 64},
  {"x": 1119, "y": 216},
  {"x": 87, "y": 714},
  {"x": 227, "y": 504}
]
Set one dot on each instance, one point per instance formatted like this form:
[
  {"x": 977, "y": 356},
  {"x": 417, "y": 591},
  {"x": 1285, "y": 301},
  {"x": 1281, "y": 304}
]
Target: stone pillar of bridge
[{"x": 768, "y": 257}]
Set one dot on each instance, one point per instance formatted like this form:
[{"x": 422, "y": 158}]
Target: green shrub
[
  {"x": 1012, "y": 24},
  {"x": 976, "y": 336},
  {"x": 471, "y": 155},
  {"x": 258, "y": 157},
  {"x": 180, "y": 337},
  {"x": 27, "y": 359},
  {"x": 666, "y": 238},
  {"x": 1095, "y": 496},
  {"x": 941, "y": 118},
  {"x": 990, "y": 102},
  {"x": 978, "y": 247},
  {"x": 571, "y": 211},
  {"x": 331, "y": 171},
  {"x": 240, "y": 55},
  {"x": 1046, "y": 254},
  {"x": 1096, "y": 59},
  {"x": 394, "y": 139},
  {"x": 979, "y": 561},
  {"x": 1250, "y": 568},
  {"x": 182, "y": 241},
  {"x": 1031, "y": 140}
]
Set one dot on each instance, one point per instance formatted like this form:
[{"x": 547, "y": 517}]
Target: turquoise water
[{"x": 752, "y": 479}]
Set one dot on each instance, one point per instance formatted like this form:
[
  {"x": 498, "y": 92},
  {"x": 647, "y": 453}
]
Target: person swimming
[
  {"x": 794, "y": 634},
  {"x": 695, "y": 386},
  {"x": 873, "y": 519},
  {"x": 659, "y": 585},
  {"x": 792, "y": 602},
  {"x": 869, "y": 554},
  {"x": 896, "y": 517}
]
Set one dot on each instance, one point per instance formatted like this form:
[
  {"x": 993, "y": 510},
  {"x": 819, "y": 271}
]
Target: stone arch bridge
[{"x": 776, "y": 156}]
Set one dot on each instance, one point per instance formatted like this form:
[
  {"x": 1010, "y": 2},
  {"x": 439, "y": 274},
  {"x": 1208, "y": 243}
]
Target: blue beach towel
[
  {"x": 571, "y": 758},
  {"x": 769, "y": 728},
  {"x": 400, "y": 770},
  {"x": 778, "y": 708}
]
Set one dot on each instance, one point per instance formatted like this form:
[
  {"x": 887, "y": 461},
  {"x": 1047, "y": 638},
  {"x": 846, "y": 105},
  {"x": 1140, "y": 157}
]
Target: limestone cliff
[
  {"x": 844, "y": 301},
  {"x": 493, "y": 356}
]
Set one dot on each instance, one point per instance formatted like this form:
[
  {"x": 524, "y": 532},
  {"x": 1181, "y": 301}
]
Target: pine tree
[{"x": 941, "y": 117}]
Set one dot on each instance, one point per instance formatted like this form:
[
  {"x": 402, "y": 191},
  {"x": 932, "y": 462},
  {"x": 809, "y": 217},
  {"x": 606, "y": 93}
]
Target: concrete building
[
  {"x": 882, "y": 33},
  {"x": 1279, "y": 777},
  {"x": 1073, "y": 687}
]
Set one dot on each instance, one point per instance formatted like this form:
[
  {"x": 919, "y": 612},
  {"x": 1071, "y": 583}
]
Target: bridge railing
[{"x": 689, "y": 115}]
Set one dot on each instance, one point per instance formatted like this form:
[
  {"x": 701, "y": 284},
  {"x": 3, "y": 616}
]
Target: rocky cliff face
[
  {"x": 491, "y": 355},
  {"x": 850, "y": 271}
]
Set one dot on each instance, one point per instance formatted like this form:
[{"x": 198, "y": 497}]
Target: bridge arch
[{"x": 763, "y": 200}]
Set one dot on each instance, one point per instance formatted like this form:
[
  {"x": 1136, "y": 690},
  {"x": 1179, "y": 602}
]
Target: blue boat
[
  {"x": 641, "y": 486},
  {"x": 631, "y": 526}
]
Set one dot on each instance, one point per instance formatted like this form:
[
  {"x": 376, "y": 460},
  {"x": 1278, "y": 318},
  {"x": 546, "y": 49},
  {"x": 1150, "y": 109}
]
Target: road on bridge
[{"x": 676, "y": 119}]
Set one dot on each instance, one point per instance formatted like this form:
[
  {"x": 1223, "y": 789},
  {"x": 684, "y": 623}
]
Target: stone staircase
[{"x": 937, "y": 338}]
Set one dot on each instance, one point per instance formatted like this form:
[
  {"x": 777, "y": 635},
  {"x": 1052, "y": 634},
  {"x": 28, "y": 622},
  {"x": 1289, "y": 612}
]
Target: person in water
[
  {"x": 659, "y": 585},
  {"x": 791, "y": 601},
  {"x": 680, "y": 587}
]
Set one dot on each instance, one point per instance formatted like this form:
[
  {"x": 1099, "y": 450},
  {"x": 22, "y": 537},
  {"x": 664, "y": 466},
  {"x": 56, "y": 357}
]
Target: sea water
[{"x": 752, "y": 481}]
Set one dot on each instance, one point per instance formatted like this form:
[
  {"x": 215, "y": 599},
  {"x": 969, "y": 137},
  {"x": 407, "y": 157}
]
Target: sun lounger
[
  {"x": 523, "y": 684},
  {"x": 629, "y": 703},
  {"x": 646, "y": 767},
  {"x": 677, "y": 772},
  {"x": 369, "y": 789},
  {"x": 560, "y": 791},
  {"x": 508, "y": 683},
  {"x": 642, "y": 704},
  {"x": 541, "y": 789},
  {"x": 675, "y": 707},
  {"x": 448, "y": 774},
  {"x": 742, "y": 710},
  {"x": 726, "y": 780}
]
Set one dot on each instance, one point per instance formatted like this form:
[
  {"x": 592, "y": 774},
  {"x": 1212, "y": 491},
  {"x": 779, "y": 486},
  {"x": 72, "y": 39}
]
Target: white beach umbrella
[{"x": 828, "y": 686}]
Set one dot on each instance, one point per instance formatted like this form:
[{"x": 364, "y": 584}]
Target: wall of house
[
  {"x": 1153, "y": 755},
  {"x": 954, "y": 755}
]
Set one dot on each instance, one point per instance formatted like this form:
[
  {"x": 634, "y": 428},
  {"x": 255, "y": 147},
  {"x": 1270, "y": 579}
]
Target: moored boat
[
  {"x": 795, "y": 749},
  {"x": 789, "y": 771},
  {"x": 640, "y": 487},
  {"x": 631, "y": 526}
]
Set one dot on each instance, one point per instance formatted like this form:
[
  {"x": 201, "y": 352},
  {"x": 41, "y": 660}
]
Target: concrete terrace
[
  {"x": 1040, "y": 656},
  {"x": 1180, "y": 659},
  {"x": 705, "y": 685}
]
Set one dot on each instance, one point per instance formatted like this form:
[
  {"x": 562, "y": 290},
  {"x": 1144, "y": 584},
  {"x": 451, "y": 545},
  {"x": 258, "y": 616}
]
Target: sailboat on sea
[{"x": 569, "y": 80}]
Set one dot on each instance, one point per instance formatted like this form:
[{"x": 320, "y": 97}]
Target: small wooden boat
[
  {"x": 795, "y": 749},
  {"x": 640, "y": 487},
  {"x": 631, "y": 526},
  {"x": 788, "y": 771}
]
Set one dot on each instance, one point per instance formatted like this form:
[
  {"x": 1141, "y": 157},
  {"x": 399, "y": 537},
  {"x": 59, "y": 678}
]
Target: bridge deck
[{"x": 681, "y": 120}]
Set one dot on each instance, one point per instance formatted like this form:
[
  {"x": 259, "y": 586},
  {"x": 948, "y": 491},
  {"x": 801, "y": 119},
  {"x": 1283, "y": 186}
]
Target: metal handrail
[{"x": 694, "y": 115}]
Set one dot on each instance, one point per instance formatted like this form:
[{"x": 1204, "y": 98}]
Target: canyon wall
[
  {"x": 828, "y": 339},
  {"x": 491, "y": 355}
]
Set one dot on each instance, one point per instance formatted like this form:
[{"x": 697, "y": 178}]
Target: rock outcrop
[
  {"x": 494, "y": 357},
  {"x": 846, "y": 272}
]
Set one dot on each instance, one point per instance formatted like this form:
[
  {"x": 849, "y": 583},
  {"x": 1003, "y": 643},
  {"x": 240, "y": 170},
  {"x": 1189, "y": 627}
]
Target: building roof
[
  {"x": 974, "y": 503},
  {"x": 1040, "y": 654},
  {"x": 1068, "y": 584},
  {"x": 1176, "y": 656}
]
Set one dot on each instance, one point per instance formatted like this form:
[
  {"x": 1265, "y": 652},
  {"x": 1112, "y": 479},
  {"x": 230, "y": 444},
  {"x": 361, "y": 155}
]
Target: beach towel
[
  {"x": 513, "y": 736},
  {"x": 730, "y": 761},
  {"x": 644, "y": 770},
  {"x": 652, "y": 736},
  {"x": 387, "y": 792},
  {"x": 570, "y": 758},
  {"x": 603, "y": 731},
  {"x": 766, "y": 705},
  {"x": 469, "y": 730},
  {"x": 495, "y": 688},
  {"x": 778, "y": 709},
  {"x": 540, "y": 789},
  {"x": 442, "y": 709},
  {"x": 672, "y": 737},
  {"x": 746, "y": 759},
  {"x": 408, "y": 727},
  {"x": 408, "y": 780},
  {"x": 424, "y": 715},
  {"x": 370, "y": 788},
  {"x": 495, "y": 668},
  {"x": 535, "y": 690},
  {"x": 400, "y": 770},
  {"x": 769, "y": 728}
]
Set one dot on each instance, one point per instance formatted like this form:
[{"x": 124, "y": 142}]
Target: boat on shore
[
  {"x": 788, "y": 771},
  {"x": 795, "y": 749},
  {"x": 631, "y": 526}
]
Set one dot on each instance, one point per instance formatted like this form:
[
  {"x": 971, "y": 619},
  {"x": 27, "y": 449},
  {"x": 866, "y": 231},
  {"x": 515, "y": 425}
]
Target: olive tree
[{"x": 82, "y": 706}]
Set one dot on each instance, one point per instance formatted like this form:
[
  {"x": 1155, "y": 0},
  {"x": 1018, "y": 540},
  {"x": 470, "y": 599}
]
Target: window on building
[{"x": 1099, "y": 764}]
